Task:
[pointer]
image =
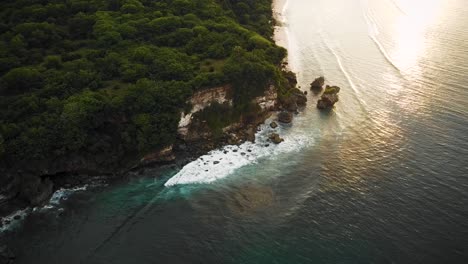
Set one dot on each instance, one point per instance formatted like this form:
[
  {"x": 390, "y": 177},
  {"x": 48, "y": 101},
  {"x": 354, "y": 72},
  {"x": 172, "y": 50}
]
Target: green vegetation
[
  {"x": 95, "y": 76},
  {"x": 218, "y": 116},
  {"x": 331, "y": 90}
]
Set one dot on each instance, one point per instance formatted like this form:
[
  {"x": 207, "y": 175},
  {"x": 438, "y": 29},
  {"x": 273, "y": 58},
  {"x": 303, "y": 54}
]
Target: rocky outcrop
[
  {"x": 273, "y": 125},
  {"x": 329, "y": 97},
  {"x": 275, "y": 138},
  {"x": 294, "y": 100},
  {"x": 318, "y": 83},
  {"x": 193, "y": 130},
  {"x": 285, "y": 117},
  {"x": 201, "y": 100},
  {"x": 268, "y": 101},
  {"x": 36, "y": 184},
  {"x": 164, "y": 155}
]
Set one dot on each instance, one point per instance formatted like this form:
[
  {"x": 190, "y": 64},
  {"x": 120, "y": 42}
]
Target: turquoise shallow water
[{"x": 383, "y": 178}]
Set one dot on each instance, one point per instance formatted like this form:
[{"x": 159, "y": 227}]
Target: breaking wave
[{"x": 220, "y": 163}]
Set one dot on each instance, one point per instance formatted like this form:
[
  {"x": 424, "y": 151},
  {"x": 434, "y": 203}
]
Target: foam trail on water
[
  {"x": 283, "y": 11},
  {"x": 397, "y": 6},
  {"x": 373, "y": 33},
  {"x": 347, "y": 76},
  {"x": 220, "y": 163}
]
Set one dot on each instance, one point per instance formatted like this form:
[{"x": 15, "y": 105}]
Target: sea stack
[
  {"x": 275, "y": 138},
  {"x": 285, "y": 117},
  {"x": 329, "y": 97},
  {"x": 318, "y": 83}
]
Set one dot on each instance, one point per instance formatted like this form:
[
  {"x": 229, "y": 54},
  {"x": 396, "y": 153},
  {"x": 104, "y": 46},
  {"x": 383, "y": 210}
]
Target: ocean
[{"x": 382, "y": 178}]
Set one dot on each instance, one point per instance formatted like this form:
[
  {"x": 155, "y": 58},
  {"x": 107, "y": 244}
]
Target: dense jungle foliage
[{"x": 112, "y": 76}]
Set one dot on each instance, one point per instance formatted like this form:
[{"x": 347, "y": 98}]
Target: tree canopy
[{"x": 113, "y": 76}]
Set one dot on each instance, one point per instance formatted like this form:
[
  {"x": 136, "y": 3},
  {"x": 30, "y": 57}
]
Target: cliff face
[
  {"x": 32, "y": 186},
  {"x": 201, "y": 100},
  {"x": 193, "y": 129}
]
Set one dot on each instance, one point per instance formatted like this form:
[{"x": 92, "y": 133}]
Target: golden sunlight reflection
[
  {"x": 385, "y": 140},
  {"x": 410, "y": 31}
]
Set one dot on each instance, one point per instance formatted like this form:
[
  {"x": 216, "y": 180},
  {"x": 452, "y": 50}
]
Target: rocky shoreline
[{"x": 195, "y": 139}]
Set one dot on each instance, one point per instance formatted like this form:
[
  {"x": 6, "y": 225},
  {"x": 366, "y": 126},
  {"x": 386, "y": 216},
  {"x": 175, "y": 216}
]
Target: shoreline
[
  {"x": 182, "y": 156},
  {"x": 281, "y": 35}
]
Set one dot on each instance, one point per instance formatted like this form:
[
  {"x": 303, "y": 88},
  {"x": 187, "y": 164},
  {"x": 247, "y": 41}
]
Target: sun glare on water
[{"x": 411, "y": 29}]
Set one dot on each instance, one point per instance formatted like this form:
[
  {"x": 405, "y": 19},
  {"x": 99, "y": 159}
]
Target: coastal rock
[
  {"x": 300, "y": 98},
  {"x": 161, "y": 156},
  {"x": 285, "y": 117},
  {"x": 318, "y": 83},
  {"x": 291, "y": 77},
  {"x": 201, "y": 100},
  {"x": 275, "y": 138},
  {"x": 329, "y": 97},
  {"x": 273, "y": 125},
  {"x": 296, "y": 99},
  {"x": 198, "y": 135},
  {"x": 289, "y": 104},
  {"x": 250, "y": 134}
]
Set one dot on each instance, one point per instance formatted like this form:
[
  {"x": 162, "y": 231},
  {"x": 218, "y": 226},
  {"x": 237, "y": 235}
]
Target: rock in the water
[
  {"x": 275, "y": 138},
  {"x": 290, "y": 104},
  {"x": 285, "y": 117},
  {"x": 273, "y": 124},
  {"x": 329, "y": 97},
  {"x": 301, "y": 99},
  {"x": 294, "y": 100},
  {"x": 318, "y": 83}
]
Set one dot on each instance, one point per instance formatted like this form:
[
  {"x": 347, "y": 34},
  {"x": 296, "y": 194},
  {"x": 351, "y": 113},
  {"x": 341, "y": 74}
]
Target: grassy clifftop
[{"x": 95, "y": 76}]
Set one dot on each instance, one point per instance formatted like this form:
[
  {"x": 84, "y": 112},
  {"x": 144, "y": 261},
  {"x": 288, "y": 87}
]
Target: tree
[
  {"x": 131, "y": 7},
  {"x": 2, "y": 147},
  {"x": 20, "y": 80},
  {"x": 53, "y": 62},
  {"x": 81, "y": 113}
]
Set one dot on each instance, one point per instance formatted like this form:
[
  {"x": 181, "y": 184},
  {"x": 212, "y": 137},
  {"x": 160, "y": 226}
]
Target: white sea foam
[
  {"x": 63, "y": 194},
  {"x": 220, "y": 163},
  {"x": 13, "y": 220}
]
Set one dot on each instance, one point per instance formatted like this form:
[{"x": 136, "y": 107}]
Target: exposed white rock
[{"x": 202, "y": 99}]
